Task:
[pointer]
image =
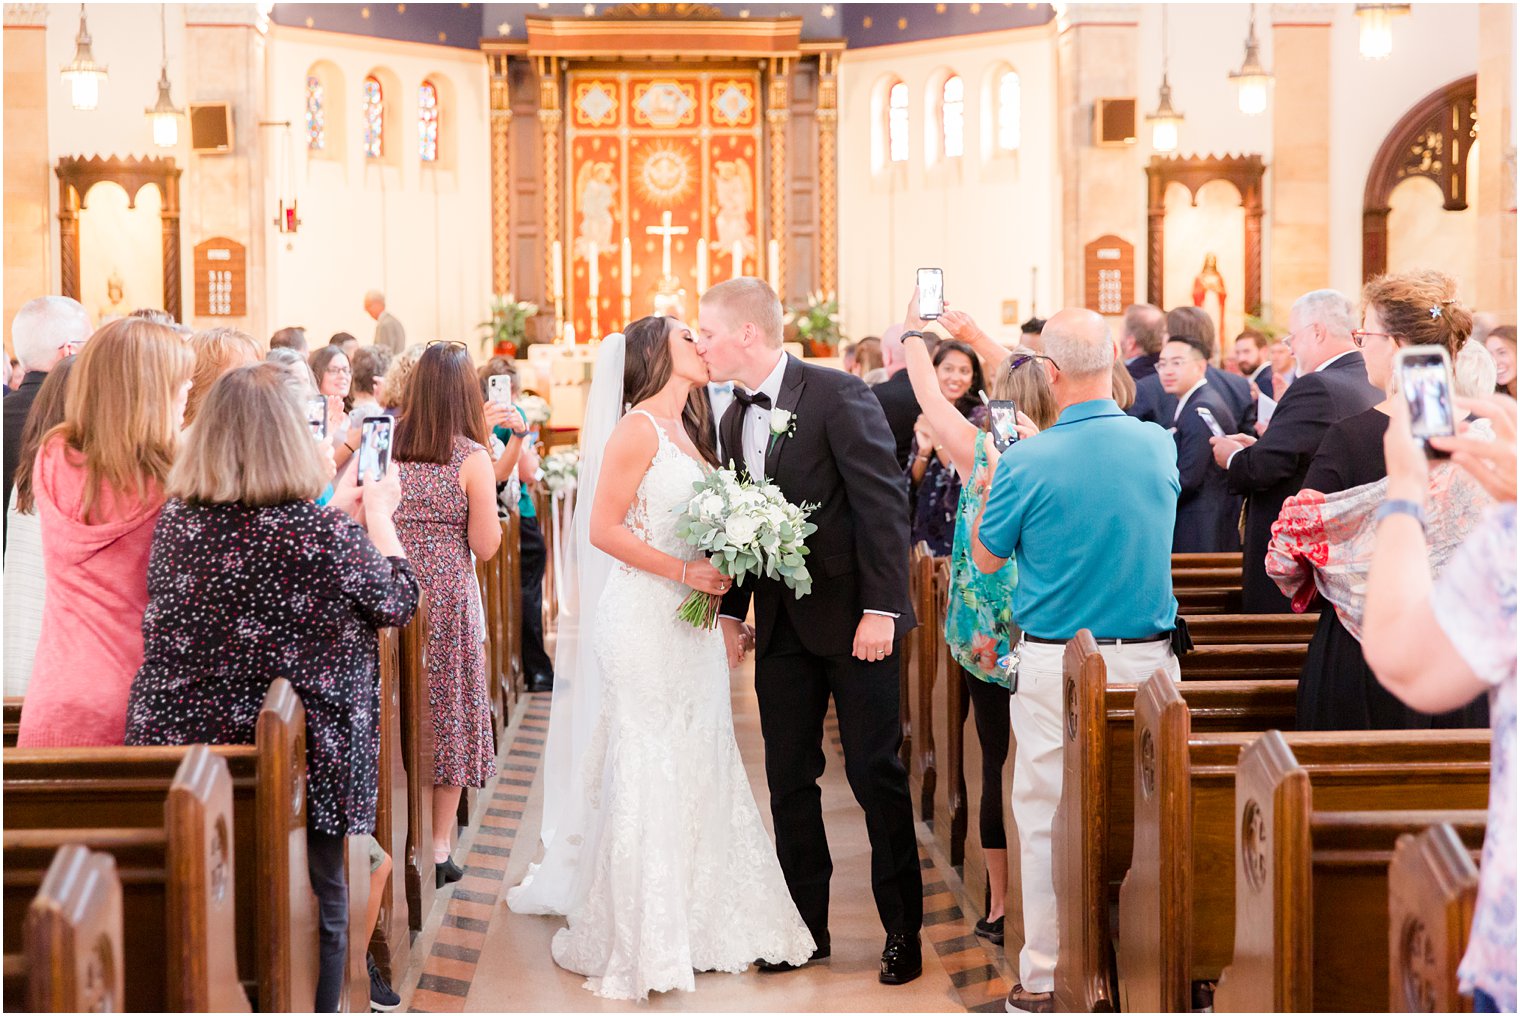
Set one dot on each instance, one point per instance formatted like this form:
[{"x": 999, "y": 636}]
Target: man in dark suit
[
  {"x": 1154, "y": 404},
  {"x": 1208, "y": 515},
  {"x": 1142, "y": 338},
  {"x": 820, "y": 436},
  {"x": 44, "y": 331},
  {"x": 1332, "y": 385},
  {"x": 896, "y": 395}
]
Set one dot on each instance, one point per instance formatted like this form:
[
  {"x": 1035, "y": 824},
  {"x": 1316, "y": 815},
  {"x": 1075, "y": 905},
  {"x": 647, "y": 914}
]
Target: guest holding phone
[
  {"x": 1208, "y": 515},
  {"x": 934, "y": 483},
  {"x": 979, "y": 626},
  {"x": 249, "y": 581},
  {"x": 99, "y": 484}
]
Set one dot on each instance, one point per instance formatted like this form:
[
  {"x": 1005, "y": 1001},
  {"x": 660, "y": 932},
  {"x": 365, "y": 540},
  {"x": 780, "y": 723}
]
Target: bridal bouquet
[
  {"x": 561, "y": 471},
  {"x": 747, "y": 529}
]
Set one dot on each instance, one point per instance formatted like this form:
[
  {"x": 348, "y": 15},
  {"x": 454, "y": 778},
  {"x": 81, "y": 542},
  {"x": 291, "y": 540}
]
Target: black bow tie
[{"x": 746, "y": 399}]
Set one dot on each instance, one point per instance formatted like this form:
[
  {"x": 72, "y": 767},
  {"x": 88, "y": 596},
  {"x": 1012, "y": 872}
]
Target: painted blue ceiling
[{"x": 464, "y": 24}]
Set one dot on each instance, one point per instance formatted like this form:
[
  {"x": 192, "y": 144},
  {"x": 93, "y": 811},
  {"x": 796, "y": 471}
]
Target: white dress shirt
[
  {"x": 1182, "y": 402},
  {"x": 757, "y": 421}
]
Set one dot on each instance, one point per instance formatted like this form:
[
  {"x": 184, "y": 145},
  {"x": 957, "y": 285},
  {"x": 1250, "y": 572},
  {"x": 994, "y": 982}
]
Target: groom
[{"x": 821, "y": 437}]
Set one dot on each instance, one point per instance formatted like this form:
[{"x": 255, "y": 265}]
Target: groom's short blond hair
[{"x": 752, "y": 300}]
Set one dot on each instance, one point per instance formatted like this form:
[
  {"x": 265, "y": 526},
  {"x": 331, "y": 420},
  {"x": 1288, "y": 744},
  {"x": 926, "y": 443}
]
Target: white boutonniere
[{"x": 783, "y": 424}]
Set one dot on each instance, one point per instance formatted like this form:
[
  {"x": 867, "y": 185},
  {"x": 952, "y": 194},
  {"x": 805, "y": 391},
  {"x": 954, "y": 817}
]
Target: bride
[{"x": 654, "y": 848}]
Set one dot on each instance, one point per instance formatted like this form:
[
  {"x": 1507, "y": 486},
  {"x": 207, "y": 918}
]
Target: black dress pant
[
  {"x": 535, "y": 659},
  {"x": 793, "y": 687},
  {"x": 326, "y": 860},
  {"x": 994, "y": 728}
]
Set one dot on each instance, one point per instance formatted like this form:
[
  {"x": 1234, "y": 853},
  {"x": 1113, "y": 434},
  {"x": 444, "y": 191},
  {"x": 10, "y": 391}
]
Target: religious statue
[
  {"x": 1210, "y": 281},
  {"x": 597, "y": 192},
  {"x": 117, "y": 306},
  {"x": 733, "y": 190}
]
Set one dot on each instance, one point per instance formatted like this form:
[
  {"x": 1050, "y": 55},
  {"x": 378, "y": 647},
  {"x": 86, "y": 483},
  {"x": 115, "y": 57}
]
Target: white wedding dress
[{"x": 676, "y": 872}]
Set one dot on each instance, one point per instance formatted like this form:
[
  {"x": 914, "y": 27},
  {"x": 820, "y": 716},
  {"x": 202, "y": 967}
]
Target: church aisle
[{"x": 475, "y": 955}]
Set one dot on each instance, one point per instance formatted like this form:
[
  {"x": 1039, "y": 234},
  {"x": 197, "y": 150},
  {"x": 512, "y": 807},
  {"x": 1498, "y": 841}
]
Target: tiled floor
[{"x": 475, "y": 955}]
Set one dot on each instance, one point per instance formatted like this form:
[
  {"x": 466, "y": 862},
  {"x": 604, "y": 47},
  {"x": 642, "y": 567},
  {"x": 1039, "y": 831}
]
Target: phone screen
[
  {"x": 1003, "y": 414},
  {"x": 1208, "y": 417},
  {"x": 499, "y": 386},
  {"x": 316, "y": 415},
  {"x": 1425, "y": 378},
  {"x": 931, "y": 293},
  {"x": 374, "y": 449}
]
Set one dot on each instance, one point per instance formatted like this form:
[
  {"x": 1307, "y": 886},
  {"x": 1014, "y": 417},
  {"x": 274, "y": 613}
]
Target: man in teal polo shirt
[{"x": 1088, "y": 509}]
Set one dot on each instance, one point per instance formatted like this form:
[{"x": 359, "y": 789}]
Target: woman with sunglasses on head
[
  {"x": 1331, "y": 523},
  {"x": 979, "y": 625}
]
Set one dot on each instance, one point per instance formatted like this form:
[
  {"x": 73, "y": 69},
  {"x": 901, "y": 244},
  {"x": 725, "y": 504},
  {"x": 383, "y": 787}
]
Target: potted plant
[
  {"x": 506, "y": 334},
  {"x": 817, "y": 324}
]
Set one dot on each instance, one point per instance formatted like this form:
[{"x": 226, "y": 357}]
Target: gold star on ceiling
[
  {"x": 310, "y": 22},
  {"x": 504, "y": 29},
  {"x": 902, "y": 23},
  {"x": 443, "y": 37},
  {"x": 364, "y": 13},
  {"x": 401, "y": 8},
  {"x": 865, "y": 22},
  {"x": 589, "y": 10},
  {"x": 827, "y": 11},
  {"x": 939, "y": 8}
]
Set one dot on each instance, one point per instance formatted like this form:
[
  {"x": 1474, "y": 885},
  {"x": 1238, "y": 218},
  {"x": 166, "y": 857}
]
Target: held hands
[
  {"x": 738, "y": 638},
  {"x": 1224, "y": 447},
  {"x": 873, "y": 638}
]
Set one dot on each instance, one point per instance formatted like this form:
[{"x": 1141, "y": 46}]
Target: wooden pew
[
  {"x": 72, "y": 960},
  {"x": 1432, "y": 890},
  {"x": 920, "y": 572},
  {"x": 1207, "y": 578},
  {"x": 11, "y": 720},
  {"x": 923, "y": 773},
  {"x": 127, "y": 787},
  {"x": 1212, "y": 559},
  {"x": 1252, "y": 629},
  {"x": 175, "y": 869},
  {"x": 515, "y": 683},
  {"x": 487, "y": 578},
  {"x": 948, "y": 717},
  {"x": 392, "y": 941},
  {"x": 1311, "y": 879},
  {"x": 1176, "y": 906},
  {"x": 1092, "y": 828},
  {"x": 417, "y": 753},
  {"x": 1244, "y": 663}
]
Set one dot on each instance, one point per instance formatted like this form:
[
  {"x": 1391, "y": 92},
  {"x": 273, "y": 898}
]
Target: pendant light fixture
[
  {"x": 1252, "y": 79},
  {"x": 82, "y": 74},
  {"x": 162, "y": 114},
  {"x": 1165, "y": 121},
  {"x": 1375, "y": 40}
]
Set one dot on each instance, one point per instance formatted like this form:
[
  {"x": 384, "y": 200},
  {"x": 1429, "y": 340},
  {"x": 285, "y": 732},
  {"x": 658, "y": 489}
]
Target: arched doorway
[{"x": 75, "y": 178}]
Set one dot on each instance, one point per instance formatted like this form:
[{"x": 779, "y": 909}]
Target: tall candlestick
[
  {"x": 701, "y": 267},
  {"x": 773, "y": 265},
  {"x": 558, "y": 252},
  {"x": 627, "y": 268}
]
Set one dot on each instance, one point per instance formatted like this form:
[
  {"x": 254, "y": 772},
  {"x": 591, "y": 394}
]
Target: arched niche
[
  {"x": 1434, "y": 140},
  {"x": 75, "y": 178},
  {"x": 1244, "y": 172}
]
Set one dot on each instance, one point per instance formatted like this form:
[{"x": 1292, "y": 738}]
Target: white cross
[{"x": 667, "y": 231}]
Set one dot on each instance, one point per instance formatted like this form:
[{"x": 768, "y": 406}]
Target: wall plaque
[
  {"x": 221, "y": 278},
  {"x": 1109, "y": 274}
]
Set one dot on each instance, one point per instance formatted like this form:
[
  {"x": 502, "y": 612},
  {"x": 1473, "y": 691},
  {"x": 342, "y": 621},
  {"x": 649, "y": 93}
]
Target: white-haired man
[
  {"x": 388, "y": 331},
  {"x": 1087, "y": 507},
  {"x": 1332, "y": 385},
  {"x": 44, "y": 331}
]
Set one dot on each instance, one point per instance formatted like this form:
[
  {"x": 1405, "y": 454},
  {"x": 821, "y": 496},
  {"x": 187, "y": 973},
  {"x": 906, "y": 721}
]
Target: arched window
[
  {"x": 897, "y": 123},
  {"x": 952, "y": 117},
  {"x": 1008, "y": 119},
  {"x": 427, "y": 122},
  {"x": 316, "y": 118},
  {"x": 374, "y": 118}
]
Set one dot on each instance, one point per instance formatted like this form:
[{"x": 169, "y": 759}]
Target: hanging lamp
[
  {"x": 1165, "y": 120},
  {"x": 1375, "y": 39},
  {"x": 82, "y": 74},
  {"x": 162, "y": 114},
  {"x": 1252, "y": 79}
]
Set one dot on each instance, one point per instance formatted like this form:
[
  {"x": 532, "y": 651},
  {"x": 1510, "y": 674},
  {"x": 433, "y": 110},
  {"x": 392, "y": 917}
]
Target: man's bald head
[{"x": 1079, "y": 341}]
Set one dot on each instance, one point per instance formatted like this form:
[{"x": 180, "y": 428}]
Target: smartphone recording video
[
  {"x": 931, "y": 293},
  {"x": 1003, "y": 415},
  {"x": 1207, "y": 417},
  {"x": 374, "y": 449},
  {"x": 1425, "y": 379},
  {"x": 499, "y": 389},
  {"x": 316, "y": 415}
]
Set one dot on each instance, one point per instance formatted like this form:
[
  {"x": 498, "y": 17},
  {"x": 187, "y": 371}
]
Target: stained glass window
[
  {"x": 316, "y": 122},
  {"x": 952, "y": 117},
  {"x": 374, "y": 119},
  {"x": 1008, "y": 111},
  {"x": 427, "y": 122},
  {"x": 897, "y": 123}
]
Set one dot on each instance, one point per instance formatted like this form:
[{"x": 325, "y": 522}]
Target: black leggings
[
  {"x": 326, "y": 861},
  {"x": 989, "y": 705}
]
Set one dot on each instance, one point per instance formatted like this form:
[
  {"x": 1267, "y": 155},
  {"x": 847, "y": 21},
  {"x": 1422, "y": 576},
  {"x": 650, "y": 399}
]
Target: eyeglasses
[
  {"x": 1360, "y": 337},
  {"x": 448, "y": 342},
  {"x": 1014, "y": 363},
  {"x": 339, "y": 370}
]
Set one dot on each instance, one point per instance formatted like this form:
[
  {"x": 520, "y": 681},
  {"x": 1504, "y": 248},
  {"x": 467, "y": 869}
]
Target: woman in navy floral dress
[
  {"x": 448, "y": 511},
  {"x": 248, "y": 581}
]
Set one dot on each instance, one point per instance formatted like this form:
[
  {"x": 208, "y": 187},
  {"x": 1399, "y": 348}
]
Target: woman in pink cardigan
[{"x": 98, "y": 482}]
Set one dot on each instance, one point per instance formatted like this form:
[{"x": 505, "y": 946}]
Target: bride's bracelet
[{"x": 683, "y": 572}]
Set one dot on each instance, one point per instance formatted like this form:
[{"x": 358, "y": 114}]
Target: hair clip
[{"x": 1435, "y": 311}]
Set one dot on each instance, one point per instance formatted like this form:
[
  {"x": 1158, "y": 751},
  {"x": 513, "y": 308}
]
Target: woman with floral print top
[{"x": 248, "y": 581}]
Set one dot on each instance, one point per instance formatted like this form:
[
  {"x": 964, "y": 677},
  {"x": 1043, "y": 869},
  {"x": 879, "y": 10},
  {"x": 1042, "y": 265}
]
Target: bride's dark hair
[{"x": 647, "y": 368}]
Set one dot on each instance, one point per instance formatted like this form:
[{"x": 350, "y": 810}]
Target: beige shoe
[{"x": 1020, "y": 1000}]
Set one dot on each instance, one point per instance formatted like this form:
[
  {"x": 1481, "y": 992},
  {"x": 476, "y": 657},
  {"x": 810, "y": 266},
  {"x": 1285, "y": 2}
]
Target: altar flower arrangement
[
  {"x": 746, "y": 529},
  {"x": 817, "y": 321},
  {"x": 507, "y": 331},
  {"x": 535, "y": 409},
  {"x": 562, "y": 471}
]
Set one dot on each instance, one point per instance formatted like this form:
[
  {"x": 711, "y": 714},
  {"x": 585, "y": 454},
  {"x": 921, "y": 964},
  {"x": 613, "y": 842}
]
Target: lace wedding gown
[{"x": 680, "y": 873}]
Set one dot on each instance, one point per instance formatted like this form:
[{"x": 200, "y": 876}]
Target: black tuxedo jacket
[
  {"x": 840, "y": 459},
  {"x": 1273, "y": 469},
  {"x": 18, "y": 406},
  {"x": 1208, "y": 515},
  {"x": 1142, "y": 366},
  {"x": 901, "y": 407},
  {"x": 1154, "y": 404}
]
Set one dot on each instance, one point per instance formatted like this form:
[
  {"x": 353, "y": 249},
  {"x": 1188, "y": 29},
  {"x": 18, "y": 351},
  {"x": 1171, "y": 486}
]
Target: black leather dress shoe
[
  {"x": 767, "y": 967},
  {"x": 541, "y": 682},
  {"x": 448, "y": 872},
  {"x": 902, "y": 960}
]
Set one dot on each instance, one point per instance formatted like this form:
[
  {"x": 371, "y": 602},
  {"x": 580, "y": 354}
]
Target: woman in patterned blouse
[{"x": 248, "y": 581}]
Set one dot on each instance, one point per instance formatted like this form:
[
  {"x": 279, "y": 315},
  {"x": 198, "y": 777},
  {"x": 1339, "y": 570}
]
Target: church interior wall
[{"x": 28, "y": 181}]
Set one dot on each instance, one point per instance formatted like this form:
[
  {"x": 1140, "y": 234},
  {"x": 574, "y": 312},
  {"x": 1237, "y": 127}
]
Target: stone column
[
  {"x": 501, "y": 175},
  {"x": 1102, "y": 189},
  {"x": 29, "y": 259},
  {"x": 828, "y": 180},
  {"x": 550, "y": 119},
  {"x": 1496, "y": 162},
  {"x": 777, "y": 117},
  {"x": 1300, "y": 247}
]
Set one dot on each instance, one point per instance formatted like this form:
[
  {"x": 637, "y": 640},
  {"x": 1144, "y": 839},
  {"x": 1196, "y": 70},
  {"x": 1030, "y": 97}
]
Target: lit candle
[
  {"x": 701, "y": 267},
  {"x": 627, "y": 268},
  {"x": 558, "y": 254},
  {"x": 568, "y": 335},
  {"x": 773, "y": 264}
]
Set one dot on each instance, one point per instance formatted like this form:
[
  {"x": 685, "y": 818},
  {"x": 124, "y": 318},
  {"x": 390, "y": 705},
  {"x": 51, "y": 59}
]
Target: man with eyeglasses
[{"x": 1332, "y": 385}]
